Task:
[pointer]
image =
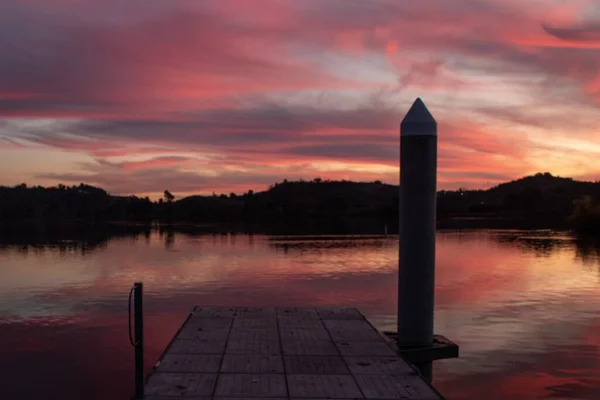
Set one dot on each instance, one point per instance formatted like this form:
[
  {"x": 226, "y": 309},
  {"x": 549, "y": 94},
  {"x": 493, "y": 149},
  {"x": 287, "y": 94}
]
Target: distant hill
[
  {"x": 69, "y": 203},
  {"x": 544, "y": 182},
  {"x": 334, "y": 204},
  {"x": 541, "y": 196},
  {"x": 337, "y": 205}
]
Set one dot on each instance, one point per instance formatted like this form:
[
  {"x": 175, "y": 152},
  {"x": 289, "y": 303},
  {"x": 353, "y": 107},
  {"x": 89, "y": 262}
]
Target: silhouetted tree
[
  {"x": 542, "y": 197},
  {"x": 168, "y": 196},
  {"x": 585, "y": 217}
]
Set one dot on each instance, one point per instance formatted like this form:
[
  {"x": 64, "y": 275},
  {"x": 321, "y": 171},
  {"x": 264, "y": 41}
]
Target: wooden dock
[{"x": 282, "y": 353}]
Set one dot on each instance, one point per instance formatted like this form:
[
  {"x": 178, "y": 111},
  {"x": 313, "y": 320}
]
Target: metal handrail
[
  {"x": 136, "y": 293},
  {"x": 129, "y": 318}
]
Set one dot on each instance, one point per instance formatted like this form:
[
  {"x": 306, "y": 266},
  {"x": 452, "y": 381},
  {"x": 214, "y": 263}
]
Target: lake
[{"x": 524, "y": 306}]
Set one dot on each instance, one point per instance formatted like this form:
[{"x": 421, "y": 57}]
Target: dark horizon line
[{"x": 314, "y": 180}]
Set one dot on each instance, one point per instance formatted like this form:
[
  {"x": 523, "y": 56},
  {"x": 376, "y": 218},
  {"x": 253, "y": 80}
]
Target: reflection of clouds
[
  {"x": 227, "y": 263},
  {"x": 564, "y": 372},
  {"x": 472, "y": 269},
  {"x": 74, "y": 357},
  {"x": 492, "y": 338},
  {"x": 508, "y": 304},
  {"x": 506, "y": 301},
  {"x": 29, "y": 280},
  {"x": 560, "y": 371}
]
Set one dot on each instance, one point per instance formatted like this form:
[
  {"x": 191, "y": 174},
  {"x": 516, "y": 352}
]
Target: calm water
[{"x": 524, "y": 307}]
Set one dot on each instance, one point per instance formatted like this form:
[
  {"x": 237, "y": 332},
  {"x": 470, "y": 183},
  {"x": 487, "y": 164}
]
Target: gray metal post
[
  {"x": 139, "y": 340},
  {"x": 416, "y": 275}
]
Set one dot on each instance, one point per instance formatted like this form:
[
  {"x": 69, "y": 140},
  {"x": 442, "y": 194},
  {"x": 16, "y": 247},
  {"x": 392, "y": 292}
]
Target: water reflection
[
  {"x": 588, "y": 251},
  {"x": 522, "y": 305}
]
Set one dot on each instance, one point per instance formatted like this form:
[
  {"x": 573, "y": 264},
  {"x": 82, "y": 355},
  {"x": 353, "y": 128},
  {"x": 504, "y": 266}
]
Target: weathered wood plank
[
  {"x": 354, "y": 335},
  {"x": 255, "y": 323},
  {"x": 394, "y": 387},
  {"x": 309, "y": 348},
  {"x": 251, "y": 385},
  {"x": 378, "y": 365},
  {"x": 291, "y": 311},
  {"x": 252, "y": 364},
  {"x": 255, "y": 312},
  {"x": 336, "y": 324},
  {"x": 243, "y": 398},
  {"x": 182, "y": 384},
  {"x": 299, "y": 322},
  {"x": 175, "y": 398},
  {"x": 327, "y": 386},
  {"x": 246, "y": 353},
  {"x": 214, "y": 312},
  {"x": 190, "y": 363},
  {"x": 195, "y": 331},
  {"x": 315, "y": 365},
  {"x": 303, "y": 334},
  {"x": 261, "y": 334},
  {"x": 364, "y": 349},
  {"x": 209, "y": 323},
  {"x": 339, "y": 313},
  {"x": 186, "y": 346},
  {"x": 253, "y": 345}
]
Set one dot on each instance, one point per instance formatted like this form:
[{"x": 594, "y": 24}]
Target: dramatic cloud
[
  {"x": 220, "y": 95},
  {"x": 588, "y": 32}
]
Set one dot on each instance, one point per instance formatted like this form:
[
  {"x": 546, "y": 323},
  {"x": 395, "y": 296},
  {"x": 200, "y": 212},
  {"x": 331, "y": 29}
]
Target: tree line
[{"x": 540, "y": 198}]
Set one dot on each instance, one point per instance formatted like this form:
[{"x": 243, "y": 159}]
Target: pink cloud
[
  {"x": 280, "y": 83},
  {"x": 153, "y": 163}
]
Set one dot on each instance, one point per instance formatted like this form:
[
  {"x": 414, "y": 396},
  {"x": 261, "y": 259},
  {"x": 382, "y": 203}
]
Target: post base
[{"x": 440, "y": 349}]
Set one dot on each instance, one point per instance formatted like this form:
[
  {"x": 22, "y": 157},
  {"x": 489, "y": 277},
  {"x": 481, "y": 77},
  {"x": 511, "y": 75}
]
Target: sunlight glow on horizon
[{"x": 220, "y": 97}]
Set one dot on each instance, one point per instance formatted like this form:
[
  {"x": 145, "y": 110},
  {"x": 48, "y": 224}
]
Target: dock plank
[
  {"x": 327, "y": 386},
  {"x": 252, "y": 364},
  {"x": 253, "y": 345},
  {"x": 251, "y": 385},
  {"x": 365, "y": 349},
  {"x": 190, "y": 363},
  {"x": 378, "y": 366},
  {"x": 340, "y": 313},
  {"x": 185, "y": 346},
  {"x": 309, "y": 348},
  {"x": 282, "y": 353},
  {"x": 182, "y": 384},
  {"x": 303, "y": 312},
  {"x": 200, "y": 332},
  {"x": 394, "y": 387},
  {"x": 298, "y": 322},
  {"x": 299, "y": 334},
  {"x": 315, "y": 365}
]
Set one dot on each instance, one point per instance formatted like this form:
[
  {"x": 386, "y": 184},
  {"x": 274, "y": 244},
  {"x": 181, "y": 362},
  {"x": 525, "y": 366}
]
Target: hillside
[
  {"x": 81, "y": 202},
  {"x": 541, "y": 197}
]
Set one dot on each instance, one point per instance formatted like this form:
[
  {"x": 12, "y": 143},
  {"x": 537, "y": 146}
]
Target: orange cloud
[
  {"x": 153, "y": 162},
  {"x": 281, "y": 83}
]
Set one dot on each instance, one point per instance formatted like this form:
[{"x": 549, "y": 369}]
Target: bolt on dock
[{"x": 283, "y": 353}]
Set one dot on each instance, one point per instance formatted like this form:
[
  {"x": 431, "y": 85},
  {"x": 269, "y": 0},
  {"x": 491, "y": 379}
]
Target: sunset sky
[{"x": 139, "y": 96}]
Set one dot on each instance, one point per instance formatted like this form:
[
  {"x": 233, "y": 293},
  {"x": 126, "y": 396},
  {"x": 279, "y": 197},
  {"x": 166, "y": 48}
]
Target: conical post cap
[{"x": 418, "y": 121}]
